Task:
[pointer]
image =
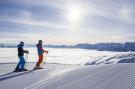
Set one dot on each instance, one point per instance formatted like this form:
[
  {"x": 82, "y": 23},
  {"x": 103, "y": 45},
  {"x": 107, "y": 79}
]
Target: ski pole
[
  {"x": 26, "y": 58},
  {"x": 45, "y": 59}
]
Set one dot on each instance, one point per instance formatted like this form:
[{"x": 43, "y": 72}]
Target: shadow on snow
[{"x": 12, "y": 75}]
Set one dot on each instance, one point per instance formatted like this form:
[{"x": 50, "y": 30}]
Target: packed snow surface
[
  {"x": 56, "y": 76},
  {"x": 69, "y": 69}
]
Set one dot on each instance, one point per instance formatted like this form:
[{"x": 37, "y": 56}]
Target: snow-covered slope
[
  {"x": 128, "y": 57},
  {"x": 54, "y": 76}
]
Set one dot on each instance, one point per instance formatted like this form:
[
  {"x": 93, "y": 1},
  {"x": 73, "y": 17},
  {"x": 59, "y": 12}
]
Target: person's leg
[
  {"x": 19, "y": 63},
  {"x": 17, "y": 69},
  {"x": 40, "y": 60},
  {"x": 22, "y": 63}
]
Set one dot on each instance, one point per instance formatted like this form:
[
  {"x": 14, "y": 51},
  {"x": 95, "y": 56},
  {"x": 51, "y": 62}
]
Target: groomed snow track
[{"x": 110, "y": 76}]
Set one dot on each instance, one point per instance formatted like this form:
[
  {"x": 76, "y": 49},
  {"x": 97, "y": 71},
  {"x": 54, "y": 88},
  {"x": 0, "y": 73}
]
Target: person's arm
[
  {"x": 41, "y": 48},
  {"x": 45, "y": 50},
  {"x": 25, "y": 51}
]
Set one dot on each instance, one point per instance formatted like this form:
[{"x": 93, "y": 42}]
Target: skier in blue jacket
[
  {"x": 40, "y": 54},
  {"x": 21, "y": 64}
]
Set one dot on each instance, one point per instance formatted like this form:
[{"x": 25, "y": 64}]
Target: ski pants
[
  {"x": 39, "y": 60},
  {"x": 21, "y": 63}
]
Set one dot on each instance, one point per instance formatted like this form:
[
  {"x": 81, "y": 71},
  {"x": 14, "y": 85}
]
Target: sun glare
[{"x": 74, "y": 13}]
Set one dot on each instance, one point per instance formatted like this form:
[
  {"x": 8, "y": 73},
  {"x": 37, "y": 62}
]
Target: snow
[
  {"x": 70, "y": 56},
  {"x": 58, "y": 76},
  {"x": 69, "y": 69},
  {"x": 126, "y": 57}
]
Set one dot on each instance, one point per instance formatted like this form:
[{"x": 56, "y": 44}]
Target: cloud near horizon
[{"x": 67, "y": 21}]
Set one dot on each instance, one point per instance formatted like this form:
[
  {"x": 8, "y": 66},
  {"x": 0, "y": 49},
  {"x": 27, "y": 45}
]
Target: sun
[{"x": 74, "y": 13}]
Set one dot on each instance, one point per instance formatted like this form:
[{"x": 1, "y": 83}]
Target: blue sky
[{"x": 67, "y": 21}]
